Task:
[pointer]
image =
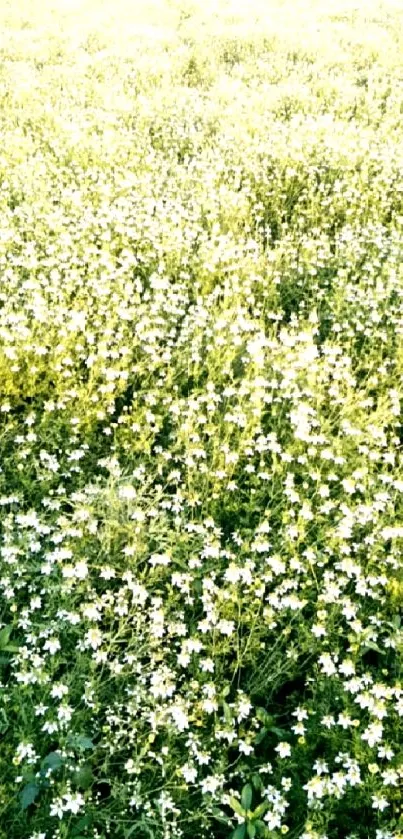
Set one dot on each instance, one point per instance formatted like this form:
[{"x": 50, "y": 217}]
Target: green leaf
[
  {"x": 261, "y": 810},
  {"x": 262, "y": 734},
  {"x": 257, "y": 782},
  {"x": 251, "y": 830},
  {"x": 261, "y": 828},
  {"x": 239, "y": 832},
  {"x": 370, "y": 645},
  {"x": 278, "y": 731},
  {"x": 84, "y": 776},
  {"x": 236, "y": 806},
  {"x": 219, "y": 816},
  {"x": 83, "y": 742},
  {"x": 82, "y": 823},
  {"x": 227, "y": 713},
  {"x": 5, "y": 636},
  {"x": 246, "y": 796},
  {"x": 4, "y": 723},
  {"x": 52, "y": 761},
  {"x": 28, "y": 795},
  {"x": 264, "y": 717},
  {"x": 130, "y": 831}
]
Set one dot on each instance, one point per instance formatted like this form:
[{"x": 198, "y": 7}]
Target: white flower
[
  {"x": 210, "y": 785},
  {"x": 283, "y": 749},
  {"x": 49, "y": 727},
  {"x": 316, "y": 787},
  {"x": 320, "y": 767},
  {"x": 272, "y": 819},
  {"x": 233, "y": 574},
  {"x": 373, "y": 734},
  {"x": 344, "y": 720},
  {"x": 107, "y": 573},
  {"x": 57, "y": 808},
  {"x": 58, "y": 691},
  {"x": 189, "y": 773},
  {"x": 245, "y": 748},
  {"x": 35, "y": 603},
  {"x": 209, "y": 705},
  {"x": 353, "y": 775},
  {"x": 207, "y": 665},
  {"x": 300, "y": 714},
  {"x": 179, "y": 717},
  {"x": 347, "y": 668},
  {"x": 318, "y": 630},
  {"x": 226, "y": 627},
  {"x": 243, "y": 709},
  {"x": 299, "y": 728},
  {"x": 91, "y": 612},
  {"x": 25, "y": 751},
  {"x": 379, "y": 803},
  {"x": 78, "y": 571},
  {"x": 127, "y": 493},
  {"x": 390, "y": 777},
  {"x": 40, "y": 710},
  {"x": 159, "y": 559},
  {"x": 65, "y": 713},
  {"x": 328, "y": 666},
  {"x": 93, "y": 638},
  {"x": 385, "y": 752},
  {"x": 328, "y": 721},
  {"x": 52, "y": 645},
  {"x": 130, "y": 766},
  {"x": 73, "y": 802}
]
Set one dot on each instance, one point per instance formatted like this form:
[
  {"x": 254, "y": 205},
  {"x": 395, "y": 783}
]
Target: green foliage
[{"x": 201, "y": 368}]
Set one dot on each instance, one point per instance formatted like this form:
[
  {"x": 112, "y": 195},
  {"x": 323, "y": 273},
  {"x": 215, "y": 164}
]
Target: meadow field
[{"x": 201, "y": 381}]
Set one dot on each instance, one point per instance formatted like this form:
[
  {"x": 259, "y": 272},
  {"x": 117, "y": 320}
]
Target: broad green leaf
[
  {"x": 52, "y": 761},
  {"x": 264, "y": 717},
  {"x": 262, "y": 734},
  {"x": 246, "y": 797},
  {"x": 83, "y": 742},
  {"x": 261, "y": 810},
  {"x": 28, "y": 795},
  {"x": 251, "y": 830},
  {"x": 278, "y": 731},
  {"x": 239, "y": 832},
  {"x": 82, "y": 823},
  {"x": 84, "y": 776},
  {"x": 4, "y": 723},
  {"x": 219, "y": 816},
  {"x": 257, "y": 782},
  {"x": 5, "y": 636},
  {"x": 370, "y": 645},
  {"x": 236, "y": 806}
]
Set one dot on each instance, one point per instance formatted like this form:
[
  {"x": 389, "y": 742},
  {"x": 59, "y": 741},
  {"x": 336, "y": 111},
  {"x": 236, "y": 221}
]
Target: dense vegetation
[{"x": 201, "y": 371}]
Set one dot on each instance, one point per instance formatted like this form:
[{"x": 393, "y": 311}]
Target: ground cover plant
[{"x": 201, "y": 370}]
